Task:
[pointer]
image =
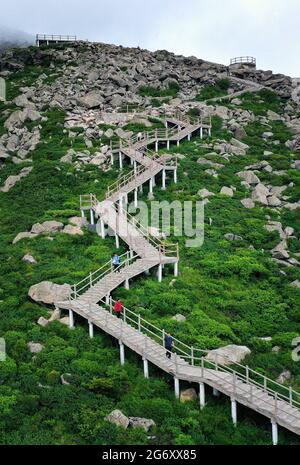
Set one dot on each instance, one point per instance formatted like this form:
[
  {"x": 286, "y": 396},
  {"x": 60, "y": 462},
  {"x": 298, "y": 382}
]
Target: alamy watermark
[
  {"x": 296, "y": 351},
  {"x": 158, "y": 219},
  {"x": 2, "y": 89},
  {"x": 2, "y": 350}
]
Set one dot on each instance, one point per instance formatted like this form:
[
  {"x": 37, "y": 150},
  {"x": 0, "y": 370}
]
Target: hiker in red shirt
[{"x": 118, "y": 308}]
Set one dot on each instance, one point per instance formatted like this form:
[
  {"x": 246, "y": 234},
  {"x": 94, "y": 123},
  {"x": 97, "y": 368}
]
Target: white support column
[
  {"x": 202, "y": 395},
  {"x": 176, "y": 269},
  {"x": 71, "y": 319},
  {"x": 131, "y": 253},
  {"x": 209, "y": 132},
  {"x": 176, "y": 388},
  {"x": 233, "y": 412},
  {"x": 156, "y": 146},
  {"x": 151, "y": 186},
  {"x": 135, "y": 198},
  {"x": 131, "y": 161},
  {"x": 153, "y": 181},
  {"x": 216, "y": 393},
  {"x": 178, "y": 143},
  {"x": 159, "y": 273},
  {"x": 82, "y": 214},
  {"x": 126, "y": 284},
  {"x": 134, "y": 166},
  {"x": 166, "y": 124},
  {"x": 274, "y": 433},
  {"x": 117, "y": 242},
  {"x": 146, "y": 368},
  {"x": 122, "y": 353},
  {"x": 189, "y": 137},
  {"x": 112, "y": 158},
  {"x": 175, "y": 176},
  {"x": 141, "y": 188},
  {"x": 102, "y": 228},
  {"x": 107, "y": 299},
  {"x": 120, "y": 161},
  {"x": 168, "y": 145},
  {"x": 91, "y": 330},
  {"x": 163, "y": 180},
  {"x": 201, "y": 133},
  {"x": 92, "y": 216}
]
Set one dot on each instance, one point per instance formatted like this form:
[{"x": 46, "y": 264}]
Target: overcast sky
[{"x": 215, "y": 30}]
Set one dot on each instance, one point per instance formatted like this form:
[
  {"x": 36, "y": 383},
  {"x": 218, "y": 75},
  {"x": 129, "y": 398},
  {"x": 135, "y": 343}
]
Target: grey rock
[
  {"x": 249, "y": 177},
  {"x": 189, "y": 395},
  {"x": 35, "y": 347},
  {"x": 118, "y": 418},
  {"x": 229, "y": 354},
  {"x": 248, "y": 203},
  {"x": 48, "y": 293},
  {"x": 227, "y": 191},
  {"x": 29, "y": 259},
  {"x": 42, "y": 322},
  {"x": 145, "y": 423}
]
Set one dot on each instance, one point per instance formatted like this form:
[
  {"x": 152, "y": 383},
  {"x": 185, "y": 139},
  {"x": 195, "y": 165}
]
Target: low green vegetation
[
  {"x": 219, "y": 89},
  {"x": 171, "y": 91},
  {"x": 229, "y": 292}
]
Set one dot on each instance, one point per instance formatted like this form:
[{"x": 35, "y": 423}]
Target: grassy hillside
[{"x": 229, "y": 293}]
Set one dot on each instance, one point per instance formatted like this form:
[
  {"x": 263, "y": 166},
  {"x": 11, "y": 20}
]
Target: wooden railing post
[{"x": 192, "y": 356}]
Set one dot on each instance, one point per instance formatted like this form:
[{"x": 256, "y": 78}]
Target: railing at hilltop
[
  {"x": 243, "y": 60},
  {"x": 54, "y": 38}
]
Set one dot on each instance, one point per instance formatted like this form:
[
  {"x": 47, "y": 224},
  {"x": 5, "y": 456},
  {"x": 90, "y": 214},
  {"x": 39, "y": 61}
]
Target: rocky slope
[{"x": 240, "y": 289}]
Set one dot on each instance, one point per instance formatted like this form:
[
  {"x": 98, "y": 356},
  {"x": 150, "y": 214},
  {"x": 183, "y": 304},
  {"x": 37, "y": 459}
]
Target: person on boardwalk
[
  {"x": 116, "y": 261},
  {"x": 168, "y": 345},
  {"x": 118, "y": 308},
  {"x": 139, "y": 136}
]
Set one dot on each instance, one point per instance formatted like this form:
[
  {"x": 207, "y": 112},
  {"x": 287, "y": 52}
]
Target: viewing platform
[
  {"x": 243, "y": 62},
  {"x": 44, "y": 39}
]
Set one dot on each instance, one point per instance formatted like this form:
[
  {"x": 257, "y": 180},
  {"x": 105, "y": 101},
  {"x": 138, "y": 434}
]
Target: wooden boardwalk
[{"x": 91, "y": 298}]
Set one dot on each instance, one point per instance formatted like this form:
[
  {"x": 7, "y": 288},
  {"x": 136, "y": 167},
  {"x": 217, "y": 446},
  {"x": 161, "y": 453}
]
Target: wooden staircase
[{"x": 91, "y": 297}]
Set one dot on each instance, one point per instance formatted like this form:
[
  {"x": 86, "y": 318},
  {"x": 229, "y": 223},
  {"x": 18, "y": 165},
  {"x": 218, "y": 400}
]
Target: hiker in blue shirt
[
  {"x": 168, "y": 345},
  {"x": 116, "y": 261}
]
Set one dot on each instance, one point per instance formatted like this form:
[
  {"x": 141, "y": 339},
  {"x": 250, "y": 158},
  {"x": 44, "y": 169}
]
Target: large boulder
[
  {"x": 249, "y": 177},
  {"x": 72, "y": 230},
  {"x": 29, "y": 259},
  {"x": 118, "y": 418},
  {"x": 47, "y": 227},
  {"x": 189, "y": 395},
  {"x": 261, "y": 194},
  {"x": 48, "y": 292},
  {"x": 179, "y": 318},
  {"x": 23, "y": 235},
  {"x": 92, "y": 99},
  {"x": 248, "y": 203},
  {"x": 35, "y": 347},
  {"x": 227, "y": 191},
  {"x": 280, "y": 251},
  {"x": 12, "y": 180},
  {"x": 145, "y": 423},
  {"x": 205, "y": 193},
  {"x": 228, "y": 355}
]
